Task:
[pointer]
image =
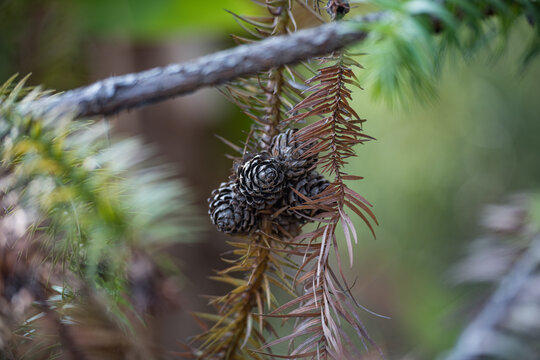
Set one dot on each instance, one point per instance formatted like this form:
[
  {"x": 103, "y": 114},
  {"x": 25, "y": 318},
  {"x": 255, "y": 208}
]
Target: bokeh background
[{"x": 432, "y": 169}]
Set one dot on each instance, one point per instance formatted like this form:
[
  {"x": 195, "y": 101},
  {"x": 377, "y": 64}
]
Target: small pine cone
[
  {"x": 229, "y": 210},
  {"x": 291, "y": 153},
  {"x": 311, "y": 185},
  {"x": 261, "y": 181},
  {"x": 290, "y": 223}
]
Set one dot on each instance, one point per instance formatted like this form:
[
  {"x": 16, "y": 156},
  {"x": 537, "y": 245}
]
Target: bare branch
[
  {"x": 486, "y": 334},
  {"x": 117, "y": 93}
]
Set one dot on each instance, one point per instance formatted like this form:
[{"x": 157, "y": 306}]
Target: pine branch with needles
[
  {"x": 326, "y": 297},
  {"x": 265, "y": 98},
  {"x": 78, "y": 214}
]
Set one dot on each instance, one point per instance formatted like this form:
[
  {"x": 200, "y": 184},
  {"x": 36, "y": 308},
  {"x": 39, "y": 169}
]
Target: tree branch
[
  {"x": 485, "y": 335},
  {"x": 118, "y": 93},
  {"x": 129, "y": 91}
]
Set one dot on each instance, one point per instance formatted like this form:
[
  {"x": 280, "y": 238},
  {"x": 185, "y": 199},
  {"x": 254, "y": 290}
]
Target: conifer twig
[{"x": 228, "y": 338}]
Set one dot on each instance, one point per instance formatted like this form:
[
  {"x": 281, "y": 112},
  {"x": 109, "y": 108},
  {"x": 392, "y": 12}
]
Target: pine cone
[
  {"x": 290, "y": 223},
  {"x": 261, "y": 181},
  {"x": 229, "y": 210},
  {"x": 311, "y": 185},
  {"x": 291, "y": 153}
]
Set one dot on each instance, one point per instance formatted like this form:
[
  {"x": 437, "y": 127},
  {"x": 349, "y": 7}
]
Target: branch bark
[{"x": 118, "y": 93}]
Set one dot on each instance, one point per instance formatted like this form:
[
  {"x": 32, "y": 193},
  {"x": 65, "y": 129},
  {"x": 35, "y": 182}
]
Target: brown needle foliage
[
  {"x": 238, "y": 329},
  {"x": 326, "y": 300}
]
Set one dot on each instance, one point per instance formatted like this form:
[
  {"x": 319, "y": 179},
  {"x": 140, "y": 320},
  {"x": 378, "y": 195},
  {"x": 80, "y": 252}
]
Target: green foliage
[
  {"x": 407, "y": 47},
  {"x": 96, "y": 201}
]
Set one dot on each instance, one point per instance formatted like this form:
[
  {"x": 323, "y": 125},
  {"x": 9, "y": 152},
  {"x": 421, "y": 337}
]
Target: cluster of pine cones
[{"x": 262, "y": 184}]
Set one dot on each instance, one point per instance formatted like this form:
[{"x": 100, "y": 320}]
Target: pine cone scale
[{"x": 261, "y": 180}]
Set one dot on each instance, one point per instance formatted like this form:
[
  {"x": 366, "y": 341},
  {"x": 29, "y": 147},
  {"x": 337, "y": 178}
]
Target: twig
[
  {"x": 118, "y": 93},
  {"x": 481, "y": 335}
]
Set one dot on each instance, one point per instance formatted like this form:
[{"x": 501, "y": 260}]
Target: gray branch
[
  {"x": 492, "y": 332},
  {"x": 117, "y": 93}
]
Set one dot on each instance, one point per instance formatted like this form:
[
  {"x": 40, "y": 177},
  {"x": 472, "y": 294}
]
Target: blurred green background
[{"x": 429, "y": 173}]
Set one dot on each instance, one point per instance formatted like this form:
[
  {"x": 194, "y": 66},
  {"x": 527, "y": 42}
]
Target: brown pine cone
[
  {"x": 291, "y": 153},
  {"x": 261, "y": 181},
  {"x": 229, "y": 210},
  {"x": 311, "y": 185}
]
